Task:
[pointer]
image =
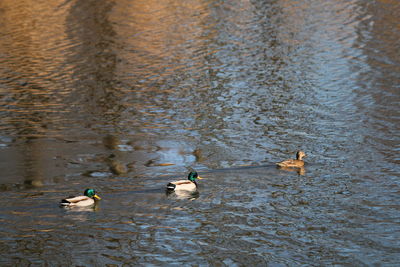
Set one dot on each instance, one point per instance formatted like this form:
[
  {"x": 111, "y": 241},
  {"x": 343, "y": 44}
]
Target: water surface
[{"x": 124, "y": 96}]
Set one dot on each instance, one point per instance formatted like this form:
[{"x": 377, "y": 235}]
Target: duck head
[
  {"x": 300, "y": 155},
  {"x": 91, "y": 193},
  {"x": 193, "y": 176}
]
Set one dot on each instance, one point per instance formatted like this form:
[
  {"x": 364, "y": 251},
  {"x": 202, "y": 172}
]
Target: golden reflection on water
[
  {"x": 70, "y": 68},
  {"x": 162, "y": 34}
]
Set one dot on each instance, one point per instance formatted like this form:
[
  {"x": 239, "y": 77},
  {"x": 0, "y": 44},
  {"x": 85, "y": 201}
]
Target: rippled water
[{"x": 124, "y": 96}]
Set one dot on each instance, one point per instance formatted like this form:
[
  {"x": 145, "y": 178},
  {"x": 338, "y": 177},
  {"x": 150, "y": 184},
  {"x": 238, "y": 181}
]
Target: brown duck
[{"x": 293, "y": 163}]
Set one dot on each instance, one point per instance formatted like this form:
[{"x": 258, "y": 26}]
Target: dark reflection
[
  {"x": 117, "y": 167},
  {"x": 96, "y": 89},
  {"x": 111, "y": 142},
  {"x": 181, "y": 194}
]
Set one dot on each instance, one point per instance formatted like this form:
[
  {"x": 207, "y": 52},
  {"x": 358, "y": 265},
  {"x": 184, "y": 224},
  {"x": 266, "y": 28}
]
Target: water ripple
[{"x": 125, "y": 96}]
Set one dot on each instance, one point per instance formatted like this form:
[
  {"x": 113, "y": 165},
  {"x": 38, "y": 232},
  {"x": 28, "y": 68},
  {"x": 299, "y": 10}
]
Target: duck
[
  {"x": 293, "y": 163},
  {"x": 89, "y": 198},
  {"x": 185, "y": 185}
]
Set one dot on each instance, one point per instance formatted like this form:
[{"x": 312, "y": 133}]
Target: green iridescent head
[
  {"x": 193, "y": 176},
  {"x": 91, "y": 193}
]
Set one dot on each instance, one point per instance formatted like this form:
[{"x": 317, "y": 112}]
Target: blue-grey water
[{"x": 125, "y": 96}]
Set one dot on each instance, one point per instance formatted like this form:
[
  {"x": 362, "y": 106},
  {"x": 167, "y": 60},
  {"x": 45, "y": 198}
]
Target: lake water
[{"x": 125, "y": 96}]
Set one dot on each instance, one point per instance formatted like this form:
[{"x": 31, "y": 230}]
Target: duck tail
[
  {"x": 171, "y": 186},
  {"x": 64, "y": 202}
]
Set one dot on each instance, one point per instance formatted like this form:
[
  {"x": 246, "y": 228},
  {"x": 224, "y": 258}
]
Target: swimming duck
[
  {"x": 293, "y": 163},
  {"x": 187, "y": 185},
  {"x": 89, "y": 198}
]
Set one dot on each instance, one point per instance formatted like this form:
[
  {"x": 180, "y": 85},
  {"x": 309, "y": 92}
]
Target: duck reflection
[
  {"x": 300, "y": 171},
  {"x": 80, "y": 214},
  {"x": 182, "y": 194},
  {"x": 93, "y": 207}
]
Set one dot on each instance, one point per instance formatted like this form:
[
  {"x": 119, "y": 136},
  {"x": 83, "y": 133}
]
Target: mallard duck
[
  {"x": 186, "y": 185},
  {"x": 293, "y": 163},
  {"x": 89, "y": 198}
]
